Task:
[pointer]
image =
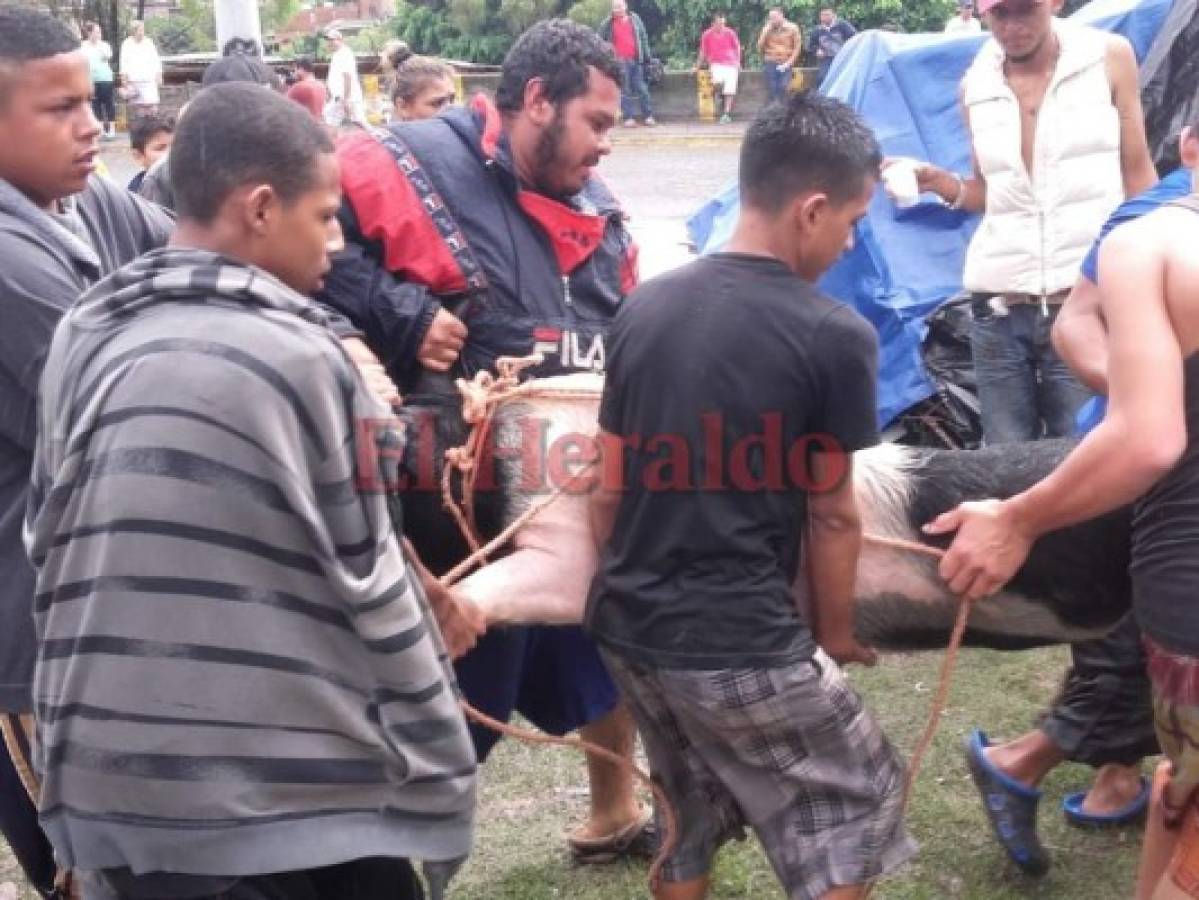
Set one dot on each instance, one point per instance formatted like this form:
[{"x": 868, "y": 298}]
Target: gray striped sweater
[{"x": 237, "y": 672}]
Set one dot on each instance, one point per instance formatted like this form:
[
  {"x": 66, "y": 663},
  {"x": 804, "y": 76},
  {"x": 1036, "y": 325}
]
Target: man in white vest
[{"x": 1058, "y": 140}]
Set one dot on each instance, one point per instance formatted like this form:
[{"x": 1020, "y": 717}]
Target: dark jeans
[
  {"x": 361, "y": 879},
  {"x": 1104, "y": 712},
  {"x": 1025, "y": 390},
  {"x": 823, "y": 65},
  {"x": 777, "y": 82},
  {"x": 634, "y": 87},
  {"x": 104, "y": 102}
]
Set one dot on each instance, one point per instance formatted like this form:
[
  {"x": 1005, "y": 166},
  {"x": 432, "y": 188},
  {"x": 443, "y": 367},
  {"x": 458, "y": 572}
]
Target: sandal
[
  {"x": 1133, "y": 812},
  {"x": 1011, "y": 808},
  {"x": 637, "y": 839}
]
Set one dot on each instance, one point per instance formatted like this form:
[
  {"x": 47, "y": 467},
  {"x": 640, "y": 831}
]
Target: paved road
[{"x": 660, "y": 184}]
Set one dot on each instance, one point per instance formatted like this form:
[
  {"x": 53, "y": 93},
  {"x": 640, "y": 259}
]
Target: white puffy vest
[{"x": 1036, "y": 230}]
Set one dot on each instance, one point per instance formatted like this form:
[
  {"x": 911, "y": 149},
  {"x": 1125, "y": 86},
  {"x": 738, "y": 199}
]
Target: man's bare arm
[
  {"x": 1141, "y": 437},
  {"x": 834, "y": 536},
  {"x": 967, "y": 194},
  {"x": 1080, "y": 336},
  {"x": 1136, "y": 163}
]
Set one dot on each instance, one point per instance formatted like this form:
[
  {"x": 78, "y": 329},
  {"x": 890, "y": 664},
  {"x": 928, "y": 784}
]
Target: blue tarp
[{"x": 905, "y": 263}]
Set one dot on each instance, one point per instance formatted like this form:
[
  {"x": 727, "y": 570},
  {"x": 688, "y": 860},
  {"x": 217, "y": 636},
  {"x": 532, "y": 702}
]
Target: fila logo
[{"x": 566, "y": 345}]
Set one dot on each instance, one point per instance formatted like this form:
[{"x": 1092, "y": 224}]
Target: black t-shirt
[{"x": 719, "y": 376}]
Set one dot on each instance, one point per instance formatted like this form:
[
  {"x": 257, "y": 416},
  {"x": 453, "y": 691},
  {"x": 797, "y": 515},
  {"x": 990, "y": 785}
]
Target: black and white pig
[{"x": 1074, "y": 586}]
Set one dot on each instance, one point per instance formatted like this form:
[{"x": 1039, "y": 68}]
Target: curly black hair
[
  {"x": 809, "y": 142},
  {"x": 559, "y": 52}
]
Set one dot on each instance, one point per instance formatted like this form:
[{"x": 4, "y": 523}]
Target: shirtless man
[
  {"x": 1043, "y": 201},
  {"x": 1142, "y": 451}
]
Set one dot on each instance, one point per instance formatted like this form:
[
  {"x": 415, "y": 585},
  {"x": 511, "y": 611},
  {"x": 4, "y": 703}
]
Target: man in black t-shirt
[{"x": 735, "y": 394}]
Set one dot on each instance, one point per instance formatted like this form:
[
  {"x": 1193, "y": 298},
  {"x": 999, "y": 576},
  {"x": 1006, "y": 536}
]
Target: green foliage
[
  {"x": 370, "y": 40},
  {"x": 589, "y": 12},
  {"x": 192, "y": 29}
]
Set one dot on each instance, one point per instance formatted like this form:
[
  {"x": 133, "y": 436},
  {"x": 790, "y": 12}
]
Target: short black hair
[
  {"x": 239, "y": 66},
  {"x": 306, "y": 63},
  {"x": 807, "y": 142},
  {"x": 27, "y": 35},
  {"x": 559, "y": 52},
  {"x": 143, "y": 128},
  {"x": 235, "y": 134}
]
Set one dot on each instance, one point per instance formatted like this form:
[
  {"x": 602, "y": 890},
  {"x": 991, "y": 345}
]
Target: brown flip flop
[{"x": 637, "y": 839}]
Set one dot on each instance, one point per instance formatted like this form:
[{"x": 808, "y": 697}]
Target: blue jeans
[
  {"x": 1025, "y": 390},
  {"x": 777, "y": 82},
  {"x": 634, "y": 86}
]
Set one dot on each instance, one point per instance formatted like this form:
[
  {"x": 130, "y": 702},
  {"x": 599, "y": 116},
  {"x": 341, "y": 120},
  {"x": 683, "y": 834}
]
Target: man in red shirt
[
  {"x": 625, "y": 31},
  {"x": 308, "y": 91},
  {"x": 720, "y": 48}
]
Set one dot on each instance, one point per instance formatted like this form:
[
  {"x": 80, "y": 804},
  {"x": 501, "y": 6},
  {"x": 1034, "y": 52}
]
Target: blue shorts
[{"x": 553, "y": 676}]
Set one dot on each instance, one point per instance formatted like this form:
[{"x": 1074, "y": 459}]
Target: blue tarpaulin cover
[{"x": 905, "y": 263}]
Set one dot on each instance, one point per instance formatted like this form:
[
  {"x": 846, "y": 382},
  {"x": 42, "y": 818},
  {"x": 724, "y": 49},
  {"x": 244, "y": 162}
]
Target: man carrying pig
[
  {"x": 1145, "y": 451},
  {"x": 745, "y": 716},
  {"x": 493, "y": 211}
]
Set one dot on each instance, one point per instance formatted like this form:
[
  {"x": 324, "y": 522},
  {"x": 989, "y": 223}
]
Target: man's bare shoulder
[
  {"x": 1166, "y": 233},
  {"x": 1121, "y": 58}
]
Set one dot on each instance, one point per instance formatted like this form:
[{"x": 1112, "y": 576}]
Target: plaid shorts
[{"x": 789, "y": 752}]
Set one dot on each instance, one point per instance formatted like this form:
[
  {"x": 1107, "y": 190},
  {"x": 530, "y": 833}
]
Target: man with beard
[{"x": 495, "y": 209}]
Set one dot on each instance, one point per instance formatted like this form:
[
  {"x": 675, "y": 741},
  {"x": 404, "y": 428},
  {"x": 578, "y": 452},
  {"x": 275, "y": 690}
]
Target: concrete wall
[{"x": 676, "y": 99}]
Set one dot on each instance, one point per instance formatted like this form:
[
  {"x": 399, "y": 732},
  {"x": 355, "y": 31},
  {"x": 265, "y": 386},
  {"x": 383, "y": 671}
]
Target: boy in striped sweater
[{"x": 240, "y": 691}]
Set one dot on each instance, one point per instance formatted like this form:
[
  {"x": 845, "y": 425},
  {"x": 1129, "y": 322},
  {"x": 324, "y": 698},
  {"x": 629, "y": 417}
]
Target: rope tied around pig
[{"x": 482, "y": 397}]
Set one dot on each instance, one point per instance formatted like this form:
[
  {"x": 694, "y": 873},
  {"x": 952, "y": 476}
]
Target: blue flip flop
[
  {"x": 1011, "y": 808},
  {"x": 1133, "y": 812}
]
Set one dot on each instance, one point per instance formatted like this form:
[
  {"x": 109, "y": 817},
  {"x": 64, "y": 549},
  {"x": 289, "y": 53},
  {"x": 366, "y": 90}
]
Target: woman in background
[
  {"x": 421, "y": 86},
  {"x": 99, "y": 60}
]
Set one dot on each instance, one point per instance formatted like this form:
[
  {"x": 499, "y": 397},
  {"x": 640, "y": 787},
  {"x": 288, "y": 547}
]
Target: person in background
[
  {"x": 141, "y": 71},
  {"x": 827, "y": 40},
  {"x": 720, "y": 51},
  {"x": 150, "y": 139},
  {"x": 345, "y": 89},
  {"x": 421, "y": 86},
  {"x": 238, "y": 66},
  {"x": 1054, "y": 115},
  {"x": 965, "y": 21},
  {"x": 780, "y": 44},
  {"x": 308, "y": 90},
  {"x": 62, "y": 228},
  {"x": 99, "y": 60},
  {"x": 625, "y": 31}
]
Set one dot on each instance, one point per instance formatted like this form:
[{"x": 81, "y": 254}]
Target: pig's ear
[{"x": 945, "y": 523}]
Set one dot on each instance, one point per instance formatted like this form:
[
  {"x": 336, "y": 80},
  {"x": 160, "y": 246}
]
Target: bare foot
[
  {"x": 1027, "y": 759},
  {"x": 1114, "y": 788}
]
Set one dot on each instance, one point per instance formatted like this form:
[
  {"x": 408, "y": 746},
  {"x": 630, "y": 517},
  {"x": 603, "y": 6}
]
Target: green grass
[{"x": 532, "y": 796}]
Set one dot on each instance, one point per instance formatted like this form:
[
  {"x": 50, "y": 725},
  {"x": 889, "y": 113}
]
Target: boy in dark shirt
[
  {"x": 737, "y": 392},
  {"x": 150, "y": 139}
]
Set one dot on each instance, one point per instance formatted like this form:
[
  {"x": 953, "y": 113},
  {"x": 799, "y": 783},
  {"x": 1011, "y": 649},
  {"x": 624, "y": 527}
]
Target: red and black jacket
[{"x": 552, "y": 273}]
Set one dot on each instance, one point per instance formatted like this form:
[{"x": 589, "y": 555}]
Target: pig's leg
[{"x": 546, "y": 579}]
